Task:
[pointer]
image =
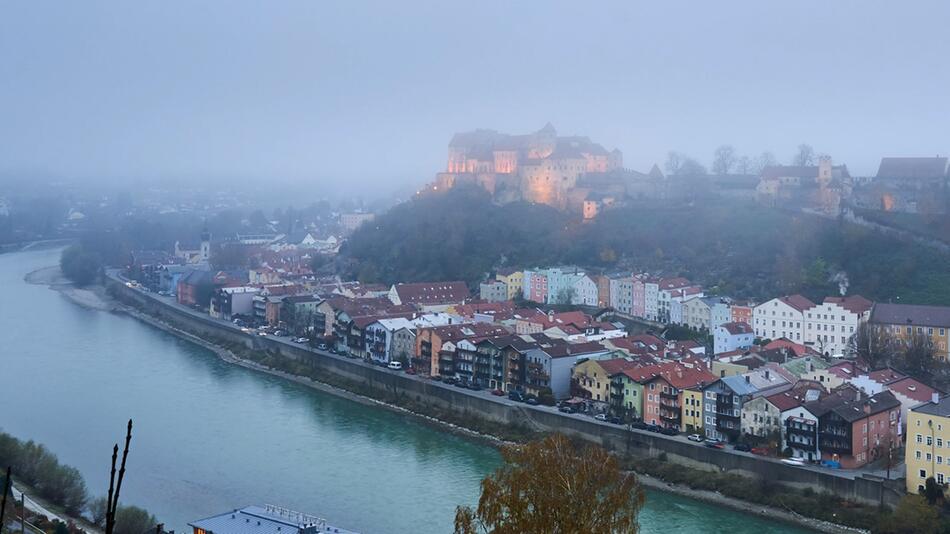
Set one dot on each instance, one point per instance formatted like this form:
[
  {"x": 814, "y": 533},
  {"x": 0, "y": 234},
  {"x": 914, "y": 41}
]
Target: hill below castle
[{"x": 741, "y": 249}]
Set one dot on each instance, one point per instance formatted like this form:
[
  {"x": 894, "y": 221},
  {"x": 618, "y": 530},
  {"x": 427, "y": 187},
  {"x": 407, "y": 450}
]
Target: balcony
[{"x": 669, "y": 395}]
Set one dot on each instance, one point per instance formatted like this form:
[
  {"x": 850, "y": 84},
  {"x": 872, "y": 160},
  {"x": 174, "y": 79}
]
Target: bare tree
[
  {"x": 724, "y": 159},
  {"x": 872, "y": 344},
  {"x": 674, "y": 160},
  {"x": 765, "y": 159},
  {"x": 805, "y": 156},
  {"x": 744, "y": 165}
]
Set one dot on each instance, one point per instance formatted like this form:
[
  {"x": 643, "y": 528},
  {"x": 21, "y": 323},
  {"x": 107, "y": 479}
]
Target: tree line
[
  {"x": 733, "y": 248},
  {"x": 63, "y": 486}
]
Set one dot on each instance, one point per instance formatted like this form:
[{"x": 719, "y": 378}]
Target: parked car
[
  {"x": 653, "y": 428},
  {"x": 395, "y": 366},
  {"x": 831, "y": 464},
  {"x": 715, "y": 444},
  {"x": 760, "y": 451},
  {"x": 410, "y": 371},
  {"x": 743, "y": 447},
  {"x": 450, "y": 380},
  {"x": 793, "y": 461},
  {"x": 695, "y": 437},
  {"x": 301, "y": 340},
  {"x": 668, "y": 431},
  {"x": 516, "y": 396},
  {"x": 531, "y": 400},
  {"x": 262, "y": 333},
  {"x": 474, "y": 386},
  {"x": 601, "y": 417},
  {"x": 639, "y": 425},
  {"x": 498, "y": 393},
  {"x": 567, "y": 408},
  {"x": 615, "y": 420},
  {"x": 322, "y": 346},
  {"x": 460, "y": 383}
]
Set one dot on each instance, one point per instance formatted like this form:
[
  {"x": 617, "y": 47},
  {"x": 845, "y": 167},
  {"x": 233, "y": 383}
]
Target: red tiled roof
[
  {"x": 798, "y": 302},
  {"x": 737, "y": 328},
  {"x": 618, "y": 365},
  {"x": 782, "y": 343},
  {"x": 673, "y": 283},
  {"x": 853, "y": 303},
  {"x": 910, "y": 387},
  {"x": 432, "y": 292},
  {"x": 883, "y": 376}
]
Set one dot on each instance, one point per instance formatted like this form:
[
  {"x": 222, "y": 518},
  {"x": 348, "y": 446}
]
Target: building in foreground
[
  {"x": 267, "y": 519},
  {"x": 928, "y": 444}
]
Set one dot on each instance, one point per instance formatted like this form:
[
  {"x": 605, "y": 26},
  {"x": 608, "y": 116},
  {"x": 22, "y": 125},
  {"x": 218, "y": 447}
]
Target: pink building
[
  {"x": 639, "y": 307},
  {"x": 539, "y": 288},
  {"x": 741, "y": 313}
]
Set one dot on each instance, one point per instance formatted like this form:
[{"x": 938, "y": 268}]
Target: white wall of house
[
  {"x": 775, "y": 319},
  {"x": 829, "y": 327}
]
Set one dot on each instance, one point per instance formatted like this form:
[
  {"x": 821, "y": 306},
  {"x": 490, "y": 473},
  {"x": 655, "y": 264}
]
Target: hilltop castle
[{"x": 537, "y": 167}]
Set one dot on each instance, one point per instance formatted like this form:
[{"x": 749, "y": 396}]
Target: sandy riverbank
[{"x": 93, "y": 297}]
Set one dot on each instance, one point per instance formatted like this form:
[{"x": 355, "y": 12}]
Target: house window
[
  {"x": 920, "y": 439},
  {"x": 917, "y": 454},
  {"x": 929, "y": 441},
  {"x": 939, "y": 478}
]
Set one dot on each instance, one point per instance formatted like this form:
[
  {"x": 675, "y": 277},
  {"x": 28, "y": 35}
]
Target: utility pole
[{"x": 22, "y": 512}]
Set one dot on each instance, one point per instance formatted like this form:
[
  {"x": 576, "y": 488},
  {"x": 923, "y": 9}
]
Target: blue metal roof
[
  {"x": 266, "y": 519},
  {"x": 738, "y": 385}
]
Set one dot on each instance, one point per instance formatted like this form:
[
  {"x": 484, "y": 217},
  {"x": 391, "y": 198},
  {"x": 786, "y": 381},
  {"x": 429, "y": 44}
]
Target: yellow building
[
  {"x": 928, "y": 445},
  {"x": 693, "y": 410},
  {"x": 594, "y": 376},
  {"x": 514, "y": 280},
  {"x": 904, "y": 321}
]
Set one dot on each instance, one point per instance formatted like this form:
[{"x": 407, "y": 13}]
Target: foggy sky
[{"x": 369, "y": 93}]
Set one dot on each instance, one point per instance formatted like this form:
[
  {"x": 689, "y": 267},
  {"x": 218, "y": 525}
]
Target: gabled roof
[
  {"x": 679, "y": 375},
  {"x": 429, "y": 293},
  {"x": 799, "y": 302},
  {"x": 736, "y": 329},
  {"x": 617, "y": 365},
  {"x": 853, "y": 303},
  {"x": 911, "y": 315},
  {"x": 912, "y": 168},
  {"x": 911, "y": 388}
]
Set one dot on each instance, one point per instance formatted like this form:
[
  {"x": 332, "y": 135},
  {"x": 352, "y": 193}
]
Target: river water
[{"x": 210, "y": 436}]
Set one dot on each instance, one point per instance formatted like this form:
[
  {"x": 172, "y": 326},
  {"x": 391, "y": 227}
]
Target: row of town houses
[
  {"x": 827, "y": 327},
  {"x": 770, "y": 378}
]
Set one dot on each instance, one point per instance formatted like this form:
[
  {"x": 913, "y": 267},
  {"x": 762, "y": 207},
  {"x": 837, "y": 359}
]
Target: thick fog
[{"x": 360, "y": 94}]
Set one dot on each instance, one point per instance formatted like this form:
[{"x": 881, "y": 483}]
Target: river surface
[{"x": 210, "y": 437}]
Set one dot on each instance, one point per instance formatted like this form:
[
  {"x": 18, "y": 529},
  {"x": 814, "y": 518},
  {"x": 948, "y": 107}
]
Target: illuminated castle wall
[{"x": 537, "y": 167}]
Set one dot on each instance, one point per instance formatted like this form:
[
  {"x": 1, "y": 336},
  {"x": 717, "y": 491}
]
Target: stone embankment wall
[{"x": 863, "y": 489}]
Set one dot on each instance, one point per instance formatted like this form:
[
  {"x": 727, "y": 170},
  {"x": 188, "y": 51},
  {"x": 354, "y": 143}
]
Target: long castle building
[{"x": 538, "y": 167}]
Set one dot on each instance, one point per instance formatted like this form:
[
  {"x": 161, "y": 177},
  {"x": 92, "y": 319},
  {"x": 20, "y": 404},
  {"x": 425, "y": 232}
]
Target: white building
[
  {"x": 732, "y": 336},
  {"x": 621, "y": 294},
  {"x": 352, "y": 221},
  {"x": 493, "y": 291},
  {"x": 651, "y": 299},
  {"x": 585, "y": 291},
  {"x": 781, "y": 317},
  {"x": 829, "y": 326},
  {"x": 381, "y": 336},
  {"x": 668, "y": 290}
]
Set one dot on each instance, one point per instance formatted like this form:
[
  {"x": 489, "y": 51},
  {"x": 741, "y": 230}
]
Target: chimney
[
  {"x": 747, "y": 380},
  {"x": 767, "y": 374},
  {"x": 935, "y": 397}
]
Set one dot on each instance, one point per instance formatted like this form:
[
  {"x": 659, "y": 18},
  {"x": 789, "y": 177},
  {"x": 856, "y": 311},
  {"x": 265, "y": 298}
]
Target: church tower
[{"x": 205, "y": 244}]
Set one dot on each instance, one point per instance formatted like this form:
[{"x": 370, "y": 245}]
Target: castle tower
[
  {"x": 824, "y": 171},
  {"x": 205, "y": 245}
]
